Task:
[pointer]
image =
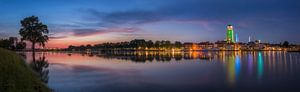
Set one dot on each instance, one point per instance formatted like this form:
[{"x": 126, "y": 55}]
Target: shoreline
[
  {"x": 153, "y": 50},
  {"x": 17, "y": 76}
]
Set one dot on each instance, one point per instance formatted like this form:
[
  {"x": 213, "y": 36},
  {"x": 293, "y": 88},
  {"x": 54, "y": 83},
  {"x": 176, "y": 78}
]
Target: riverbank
[
  {"x": 160, "y": 50},
  {"x": 16, "y": 76}
]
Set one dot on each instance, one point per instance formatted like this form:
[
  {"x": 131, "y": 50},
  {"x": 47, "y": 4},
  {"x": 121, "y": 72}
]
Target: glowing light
[
  {"x": 260, "y": 66},
  {"x": 236, "y": 38},
  {"x": 230, "y": 34},
  {"x": 231, "y": 70},
  {"x": 249, "y": 39},
  {"x": 237, "y": 65}
]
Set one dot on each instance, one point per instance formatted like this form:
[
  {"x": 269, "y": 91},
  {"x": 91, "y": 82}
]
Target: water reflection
[
  {"x": 250, "y": 64},
  {"x": 231, "y": 69},
  {"x": 260, "y": 66},
  {"x": 170, "y": 71},
  {"x": 40, "y": 67},
  {"x": 234, "y": 62},
  {"x": 151, "y": 56}
]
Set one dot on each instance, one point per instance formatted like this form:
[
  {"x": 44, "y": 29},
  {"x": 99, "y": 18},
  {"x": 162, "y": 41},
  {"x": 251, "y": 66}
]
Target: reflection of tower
[
  {"x": 233, "y": 67},
  {"x": 260, "y": 65},
  {"x": 230, "y": 34}
]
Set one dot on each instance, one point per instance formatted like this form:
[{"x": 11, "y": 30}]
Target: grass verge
[{"x": 16, "y": 76}]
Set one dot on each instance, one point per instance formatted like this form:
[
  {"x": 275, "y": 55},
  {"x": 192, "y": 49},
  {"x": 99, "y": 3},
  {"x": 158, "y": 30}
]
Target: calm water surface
[{"x": 176, "y": 72}]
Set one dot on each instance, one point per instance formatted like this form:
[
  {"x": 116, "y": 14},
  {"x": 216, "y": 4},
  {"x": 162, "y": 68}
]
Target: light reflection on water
[{"x": 174, "y": 71}]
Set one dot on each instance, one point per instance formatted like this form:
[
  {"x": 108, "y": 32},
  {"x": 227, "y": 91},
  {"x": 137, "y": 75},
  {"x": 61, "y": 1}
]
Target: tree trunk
[
  {"x": 33, "y": 51},
  {"x": 33, "y": 47}
]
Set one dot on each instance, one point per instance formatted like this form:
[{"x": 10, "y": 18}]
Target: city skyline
[{"x": 80, "y": 22}]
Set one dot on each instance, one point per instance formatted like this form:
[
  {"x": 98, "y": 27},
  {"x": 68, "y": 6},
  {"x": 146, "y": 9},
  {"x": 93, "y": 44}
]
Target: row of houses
[{"x": 223, "y": 45}]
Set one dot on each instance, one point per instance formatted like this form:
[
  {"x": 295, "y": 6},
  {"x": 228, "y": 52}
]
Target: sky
[{"x": 76, "y": 22}]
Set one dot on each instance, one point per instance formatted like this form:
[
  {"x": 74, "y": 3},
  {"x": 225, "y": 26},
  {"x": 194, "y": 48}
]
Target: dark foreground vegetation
[
  {"x": 12, "y": 43},
  {"x": 16, "y": 76}
]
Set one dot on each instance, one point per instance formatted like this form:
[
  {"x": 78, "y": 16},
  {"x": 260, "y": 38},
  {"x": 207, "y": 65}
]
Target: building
[
  {"x": 230, "y": 34},
  {"x": 206, "y": 45},
  {"x": 220, "y": 45},
  {"x": 191, "y": 46}
]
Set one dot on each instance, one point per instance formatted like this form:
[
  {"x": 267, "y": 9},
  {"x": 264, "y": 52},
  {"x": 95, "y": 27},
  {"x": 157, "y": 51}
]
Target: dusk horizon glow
[{"x": 79, "y": 22}]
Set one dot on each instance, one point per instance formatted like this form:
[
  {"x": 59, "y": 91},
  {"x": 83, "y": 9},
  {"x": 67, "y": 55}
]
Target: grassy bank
[{"x": 16, "y": 76}]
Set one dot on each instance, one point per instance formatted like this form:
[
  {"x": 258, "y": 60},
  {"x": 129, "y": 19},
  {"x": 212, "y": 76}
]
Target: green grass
[{"x": 16, "y": 76}]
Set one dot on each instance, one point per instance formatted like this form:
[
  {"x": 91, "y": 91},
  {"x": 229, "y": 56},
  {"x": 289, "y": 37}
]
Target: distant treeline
[
  {"x": 12, "y": 43},
  {"x": 137, "y": 44}
]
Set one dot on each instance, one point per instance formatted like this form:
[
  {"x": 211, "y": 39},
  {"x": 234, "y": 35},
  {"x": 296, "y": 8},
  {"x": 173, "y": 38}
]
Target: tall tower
[
  {"x": 230, "y": 34},
  {"x": 249, "y": 39},
  {"x": 236, "y": 38}
]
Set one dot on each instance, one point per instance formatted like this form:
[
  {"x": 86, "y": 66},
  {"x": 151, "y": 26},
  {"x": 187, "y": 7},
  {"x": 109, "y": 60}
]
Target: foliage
[
  {"x": 5, "y": 43},
  {"x": 16, "y": 76},
  {"x": 137, "y": 44},
  {"x": 12, "y": 44},
  {"x": 34, "y": 31},
  {"x": 285, "y": 44},
  {"x": 21, "y": 45}
]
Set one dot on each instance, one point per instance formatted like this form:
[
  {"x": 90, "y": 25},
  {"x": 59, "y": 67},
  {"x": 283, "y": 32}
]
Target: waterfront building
[
  {"x": 191, "y": 46},
  {"x": 206, "y": 45},
  {"x": 220, "y": 45},
  {"x": 230, "y": 34}
]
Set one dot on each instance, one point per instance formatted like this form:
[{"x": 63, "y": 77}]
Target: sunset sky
[{"x": 76, "y": 22}]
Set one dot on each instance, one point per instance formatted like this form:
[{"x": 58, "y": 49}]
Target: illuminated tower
[
  {"x": 230, "y": 34},
  {"x": 249, "y": 39},
  {"x": 236, "y": 38}
]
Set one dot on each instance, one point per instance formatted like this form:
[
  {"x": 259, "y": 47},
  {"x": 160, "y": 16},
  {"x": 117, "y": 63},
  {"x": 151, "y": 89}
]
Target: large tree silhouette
[{"x": 34, "y": 31}]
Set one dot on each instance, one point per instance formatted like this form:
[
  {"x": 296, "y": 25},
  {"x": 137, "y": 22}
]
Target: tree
[
  {"x": 168, "y": 44},
  {"x": 162, "y": 44},
  {"x": 178, "y": 44},
  {"x": 71, "y": 47},
  {"x": 34, "y": 31},
  {"x": 21, "y": 45},
  {"x": 5, "y": 43},
  {"x": 150, "y": 44},
  {"x": 285, "y": 44},
  {"x": 89, "y": 46},
  {"x": 13, "y": 42},
  {"x": 82, "y": 47},
  {"x": 138, "y": 43},
  {"x": 157, "y": 44}
]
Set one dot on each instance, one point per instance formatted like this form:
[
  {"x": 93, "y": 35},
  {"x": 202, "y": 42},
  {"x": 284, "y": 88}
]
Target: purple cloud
[{"x": 89, "y": 32}]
